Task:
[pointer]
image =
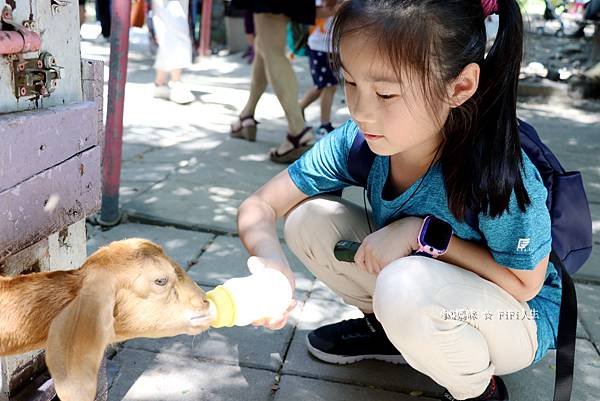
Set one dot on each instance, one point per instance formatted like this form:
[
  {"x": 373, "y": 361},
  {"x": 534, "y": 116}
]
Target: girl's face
[{"x": 394, "y": 118}]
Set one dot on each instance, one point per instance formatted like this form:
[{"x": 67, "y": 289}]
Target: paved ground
[{"x": 183, "y": 179}]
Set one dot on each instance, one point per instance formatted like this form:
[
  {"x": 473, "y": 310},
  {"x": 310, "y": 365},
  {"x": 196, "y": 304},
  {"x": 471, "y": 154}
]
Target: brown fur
[{"x": 113, "y": 297}]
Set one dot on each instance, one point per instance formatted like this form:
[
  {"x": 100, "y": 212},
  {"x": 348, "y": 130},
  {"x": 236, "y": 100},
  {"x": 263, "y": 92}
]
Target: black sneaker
[
  {"x": 495, "y": 391},
  {"x": 351, "y": 341}
]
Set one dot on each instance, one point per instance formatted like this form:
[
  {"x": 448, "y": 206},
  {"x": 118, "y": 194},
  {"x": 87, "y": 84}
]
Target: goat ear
[{"x": 78, "y": 337}]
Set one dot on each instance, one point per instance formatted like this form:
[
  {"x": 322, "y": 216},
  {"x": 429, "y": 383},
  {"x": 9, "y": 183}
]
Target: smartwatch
[{"x": 434, "y": 237}]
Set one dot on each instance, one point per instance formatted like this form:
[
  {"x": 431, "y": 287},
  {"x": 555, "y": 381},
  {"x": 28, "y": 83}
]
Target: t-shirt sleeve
[
  {"x": 324, "y": 168},
  {"x": 517, "y": 239}
]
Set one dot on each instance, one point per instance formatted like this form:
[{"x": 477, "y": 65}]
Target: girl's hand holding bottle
[
  {"x": 280, "y": 298},
  {"x": 264, "y": 298}
]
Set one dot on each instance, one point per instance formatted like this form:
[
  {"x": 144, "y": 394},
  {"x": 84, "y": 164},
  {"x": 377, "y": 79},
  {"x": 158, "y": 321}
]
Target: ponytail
[{"x": 485, "y": 179}]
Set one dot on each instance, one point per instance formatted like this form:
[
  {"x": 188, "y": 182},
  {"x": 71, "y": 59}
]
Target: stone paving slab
[
  {"x": 215, "y": 156},
  {"x": 131, "y": 151},
  {"x": 591, "y": 268},
  {"x": 159, "y": 377},
  {"x": 588, "y": 300},
  {"x": 573, "y": 137},
  {"x": 182, "y": 245},
  {"x": 226, "y": 258},
  {"x": 180, "y": 202},
  {"x": 294, "y": 388},
  {"x": 317, "y": 312},
  {"x": 240, "y": 346},
  {"x": 130, "y": 189},
  {"x": 536, "y": 383},
  {"x": 153, "y": 172},
  {"x": 212, "y": 207}
]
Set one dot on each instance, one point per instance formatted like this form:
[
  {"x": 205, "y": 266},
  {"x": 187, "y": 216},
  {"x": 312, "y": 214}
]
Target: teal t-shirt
[{"x": 516, "y": 239}]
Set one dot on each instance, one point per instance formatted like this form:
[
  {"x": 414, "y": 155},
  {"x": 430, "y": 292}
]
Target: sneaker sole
[{"x": 345, "y": 360}]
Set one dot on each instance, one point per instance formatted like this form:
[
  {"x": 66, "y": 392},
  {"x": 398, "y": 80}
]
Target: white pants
[
  {"x": 448, "y": 323},
  {"x": 172, "y": 34}
]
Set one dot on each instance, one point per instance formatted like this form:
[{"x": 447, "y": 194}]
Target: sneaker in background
[
  {"x": 324, "y": 129},
  {"x": 180, "y": 93},
  {"x": 162, "y": 91}
]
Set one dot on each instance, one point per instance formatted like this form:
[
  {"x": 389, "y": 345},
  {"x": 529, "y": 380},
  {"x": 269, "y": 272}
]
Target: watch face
[{"x": 437, "y": 234}]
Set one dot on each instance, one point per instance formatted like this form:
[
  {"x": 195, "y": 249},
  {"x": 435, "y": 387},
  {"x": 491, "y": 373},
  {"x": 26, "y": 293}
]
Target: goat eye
[{"x": 161, "y": 281}]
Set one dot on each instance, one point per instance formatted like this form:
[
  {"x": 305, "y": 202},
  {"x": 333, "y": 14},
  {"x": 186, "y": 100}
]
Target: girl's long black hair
[{"x": 481, "y": 152}]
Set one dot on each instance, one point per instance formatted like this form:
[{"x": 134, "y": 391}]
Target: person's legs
[
  {"x": 176, "y": 75},
  {"x": 453, "y": 325},
  {"x": 309, "y": 97},
  {"x": 258, "y": 82},
  {"x": 325, "y": 79},
  {"x": 103, "y": 15},
  {"x": 249, "y": 30},
  {"x": 81, "y": 12},
  {"x": 174, "y": 49},
  {"x": 161, "y": 84},
  {"x": 162, "y": 77},
  {"x": 327, "y": 95},
  {"x": 271, "y": 44}
]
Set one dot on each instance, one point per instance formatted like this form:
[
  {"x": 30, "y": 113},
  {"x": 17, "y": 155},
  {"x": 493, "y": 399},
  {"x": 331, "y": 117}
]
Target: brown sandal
[
  {"x": 244, "y": 128},
  {"x": 294, "y": 153}
]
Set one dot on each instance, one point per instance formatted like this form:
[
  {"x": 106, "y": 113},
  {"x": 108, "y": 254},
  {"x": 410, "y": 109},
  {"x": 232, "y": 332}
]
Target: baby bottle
[{"x": 266, "y": 293}]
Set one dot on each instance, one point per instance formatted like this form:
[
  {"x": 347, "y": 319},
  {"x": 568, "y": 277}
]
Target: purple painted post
[{"x": 111, "y": 167}]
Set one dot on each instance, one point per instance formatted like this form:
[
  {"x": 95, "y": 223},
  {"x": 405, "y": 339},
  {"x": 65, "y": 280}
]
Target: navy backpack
[{"x": 571, "y": 234}]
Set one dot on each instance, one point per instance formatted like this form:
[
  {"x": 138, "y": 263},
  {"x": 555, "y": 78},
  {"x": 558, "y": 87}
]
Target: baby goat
[{"x": 127, "y": 289}]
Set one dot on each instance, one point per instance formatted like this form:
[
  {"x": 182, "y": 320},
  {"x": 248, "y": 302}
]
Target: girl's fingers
[
  {"x": 292, "y": 306},
  {"x": 359, "y": 257},
  {"x": 276, "y": 324},
  {"x": 370, "y": 263},
  {"x": 259, "y": 322},
  {"x": 378, "y": 266},
  {"x": 368, "y": 259}
]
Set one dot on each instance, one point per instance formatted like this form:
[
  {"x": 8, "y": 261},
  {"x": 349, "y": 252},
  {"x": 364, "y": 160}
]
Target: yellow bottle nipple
[{"x": 223, "y": 307}]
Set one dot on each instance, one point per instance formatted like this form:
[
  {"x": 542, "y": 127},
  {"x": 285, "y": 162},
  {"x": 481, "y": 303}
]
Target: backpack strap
[
  {"x": 360, "y": 160},
  {"x": 567, "y": 331}
]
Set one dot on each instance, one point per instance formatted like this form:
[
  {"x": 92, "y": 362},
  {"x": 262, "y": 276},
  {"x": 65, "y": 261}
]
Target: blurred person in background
[
  {"x": 170, "y": 22},
  {"x": 271, "y": 65},
  {"x": 323, "y": 75}
]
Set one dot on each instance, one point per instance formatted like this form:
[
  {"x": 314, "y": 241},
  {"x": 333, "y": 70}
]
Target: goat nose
[{"x": 199, "y": 302}]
